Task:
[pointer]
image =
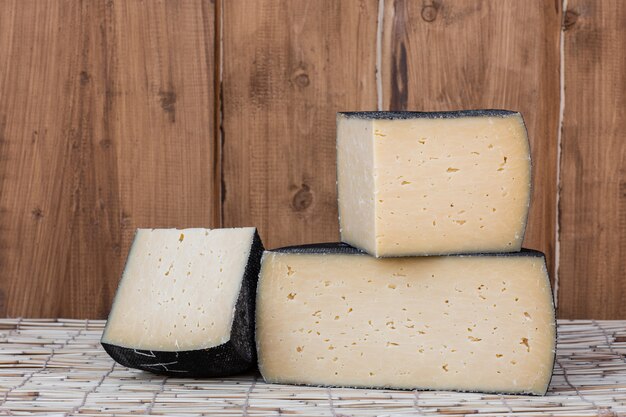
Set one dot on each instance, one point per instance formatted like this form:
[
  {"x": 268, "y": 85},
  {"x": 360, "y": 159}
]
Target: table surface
[{"x": 56, "y": 366}]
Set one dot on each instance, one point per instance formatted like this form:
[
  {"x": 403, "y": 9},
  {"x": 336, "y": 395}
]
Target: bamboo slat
[{"x": 57, "y": 367}]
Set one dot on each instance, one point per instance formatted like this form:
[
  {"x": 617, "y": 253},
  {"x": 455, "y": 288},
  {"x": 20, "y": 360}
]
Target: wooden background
[{"x": 123, "y": 114}]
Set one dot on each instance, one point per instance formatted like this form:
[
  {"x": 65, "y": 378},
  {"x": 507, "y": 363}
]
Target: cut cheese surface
[
  {"x": 413, "y": 183},
  {"x": 188, "y": 290},
  {"x": 331, "y": 316}
]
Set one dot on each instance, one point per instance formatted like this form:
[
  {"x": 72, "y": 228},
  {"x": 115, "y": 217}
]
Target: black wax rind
[
  {"x": 394, "y": 115},
  {"x": 344, "y": 248},
  {"x": 230, "y": 358}
]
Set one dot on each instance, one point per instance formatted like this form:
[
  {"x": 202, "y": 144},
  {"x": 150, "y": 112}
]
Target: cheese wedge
[
  {"x": 330, "y": 315},
  {"x": 185, "y": 303},
  {"x": 413, "y": 183}
]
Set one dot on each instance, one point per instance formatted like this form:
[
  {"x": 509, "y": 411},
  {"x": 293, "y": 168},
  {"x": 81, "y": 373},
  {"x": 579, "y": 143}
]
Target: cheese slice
[
  {"x": 185, "y": 303},
  {"x": 414, "y": 183},
  {"x": 330, "y": 315}
]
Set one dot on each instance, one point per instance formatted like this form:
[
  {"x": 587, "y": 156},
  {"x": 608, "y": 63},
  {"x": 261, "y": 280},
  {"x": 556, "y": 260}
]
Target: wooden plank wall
[
  {"x": 106, "y": 124},
  {"x": 593, "y": 168},
  {"x": 282, "y": 86},
  {"x": 116, "y": 115}
]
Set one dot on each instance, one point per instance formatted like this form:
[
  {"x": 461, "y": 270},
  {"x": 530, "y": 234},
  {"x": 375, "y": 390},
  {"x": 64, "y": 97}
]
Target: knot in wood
[
  {"x": 302, "y": 199},
  {"x": 569, "y": 19},
  {"x": 429, "y": 12},
  {"x": 303, "y": 80},
  {"x": 37, "y": 213},
  {"x": 84, "y": 77}
]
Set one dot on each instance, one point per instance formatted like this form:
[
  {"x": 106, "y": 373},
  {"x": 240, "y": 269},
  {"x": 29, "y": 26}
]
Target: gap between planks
[
  {"x": 559, "y": 135},
  {"x": 218, "y": 115},
  {"x": 379, "y": 54}
]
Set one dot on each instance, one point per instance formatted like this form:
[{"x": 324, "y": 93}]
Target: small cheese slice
[
  {"x": 412, "y": 183},
  {"x": 330, "y": 315},
  {"x": 185, "y": 303}
]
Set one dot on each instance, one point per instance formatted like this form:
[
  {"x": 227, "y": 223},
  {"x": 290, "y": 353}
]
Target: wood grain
[
  {"x": 105, "y": 125},
  {"x": 448, "y": 55},
  {"x": 289, "y": 66},
  {"x": 593, "y": 162}
]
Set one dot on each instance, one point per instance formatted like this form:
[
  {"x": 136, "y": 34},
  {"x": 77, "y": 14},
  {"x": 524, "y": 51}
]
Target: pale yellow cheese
[
  {"x": 418, "y": 184},
  {"x": 471, "y": 323},
  {"x": 179, "y": 289}
]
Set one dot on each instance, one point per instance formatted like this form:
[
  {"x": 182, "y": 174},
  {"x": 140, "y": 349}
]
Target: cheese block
[
  {"x": 412, "y": 183},
  {"x": 330, "y": 315},
  {"x": 185, "y": 303}
]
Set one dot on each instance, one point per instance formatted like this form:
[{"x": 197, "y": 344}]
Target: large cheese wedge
[
  {"x": 185, "y": 303},
  {"x": 433, "y": 183},
  {"x": 330, "y": 315}
]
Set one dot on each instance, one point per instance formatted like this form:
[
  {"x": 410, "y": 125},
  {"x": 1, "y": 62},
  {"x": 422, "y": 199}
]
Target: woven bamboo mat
[{"x": 56, "y": 367}]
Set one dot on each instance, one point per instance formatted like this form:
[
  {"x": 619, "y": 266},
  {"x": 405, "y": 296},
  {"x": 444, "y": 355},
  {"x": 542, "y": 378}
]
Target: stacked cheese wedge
[{"x": 430, "y": 289}]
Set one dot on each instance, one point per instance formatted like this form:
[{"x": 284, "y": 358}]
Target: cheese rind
[
  {"x": 185, "y": 303},
  {"x": 334, "y": 316},
  {"x": 412, "y": 183}
]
